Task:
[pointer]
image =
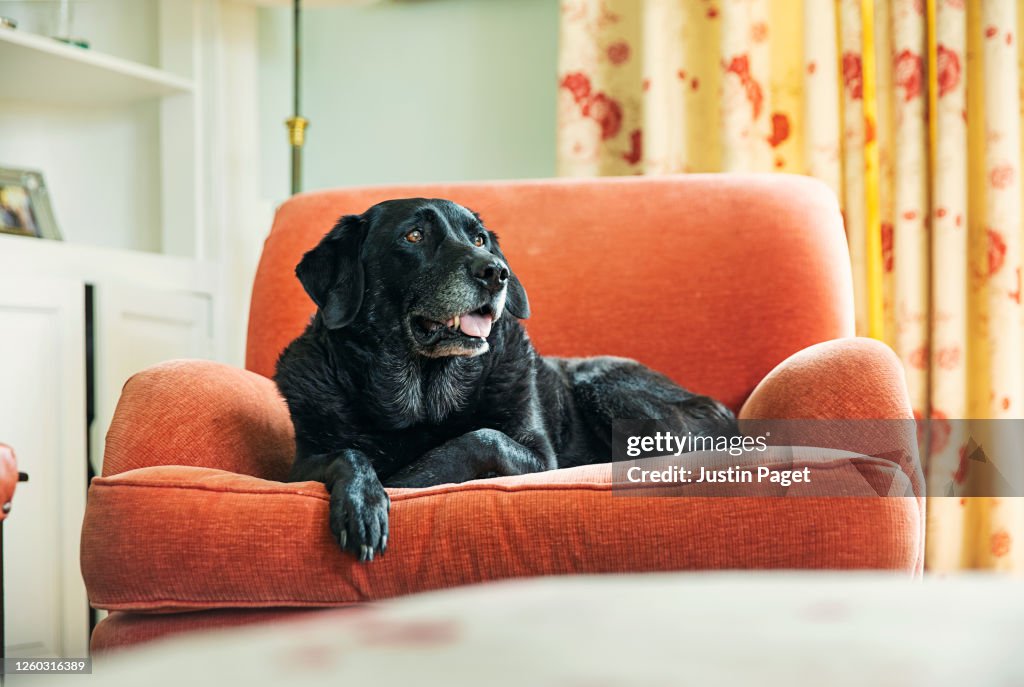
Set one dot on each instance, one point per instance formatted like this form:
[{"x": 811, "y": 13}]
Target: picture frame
[{"x": 25, "y": 208}]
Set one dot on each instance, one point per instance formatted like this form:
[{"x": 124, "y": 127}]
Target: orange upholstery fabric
[
  {"x": 201, "y": 413},
  {"x": 8, "y": 476},
  {"x": 718, "y": 281},
  {"x": 710, "y": 279},
  {"x": 866, "y": 388},
  {"x": 859, "y": 381},
  {"x": 794, "y": 389},
  {"x": 220, "y": 540}
]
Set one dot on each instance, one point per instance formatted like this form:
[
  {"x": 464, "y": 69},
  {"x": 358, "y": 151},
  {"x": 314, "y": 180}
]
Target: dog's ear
[
  {"x": 332, "y": 273},
  {"x": 516, "y": 301}
]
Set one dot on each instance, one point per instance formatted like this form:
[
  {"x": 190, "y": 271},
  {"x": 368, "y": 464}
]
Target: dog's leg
[
  {"x": 607, "y": 389},
  {"x": 359, "y": 505},
  {"x": 470, "y": 456}
]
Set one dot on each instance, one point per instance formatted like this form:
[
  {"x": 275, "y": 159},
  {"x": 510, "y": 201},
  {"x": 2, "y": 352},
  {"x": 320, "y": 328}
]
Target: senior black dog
[{"x": 415, "y": 370}]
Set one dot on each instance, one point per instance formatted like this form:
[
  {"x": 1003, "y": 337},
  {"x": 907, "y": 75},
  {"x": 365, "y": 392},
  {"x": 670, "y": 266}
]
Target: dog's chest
[{"x": 405, "y": 393}]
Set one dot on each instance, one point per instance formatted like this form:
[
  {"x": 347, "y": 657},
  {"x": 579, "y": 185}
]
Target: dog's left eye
[
  {"x": 414, "y": 236},
  {"x": 480, "y": 240}
]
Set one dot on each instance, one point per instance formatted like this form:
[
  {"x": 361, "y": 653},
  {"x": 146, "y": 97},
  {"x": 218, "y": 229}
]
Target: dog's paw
[{"x": 359, "y": 518}]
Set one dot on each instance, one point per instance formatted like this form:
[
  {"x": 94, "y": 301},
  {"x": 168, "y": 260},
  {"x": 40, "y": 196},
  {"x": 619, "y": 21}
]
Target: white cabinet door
[
  {"x": 134, "y": 328},
  {"x": 42, "y": 415}
]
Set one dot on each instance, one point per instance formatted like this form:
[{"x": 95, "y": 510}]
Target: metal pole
[
  {"x": 296, "y": 56},
  {"x": 296, "y": 123}
]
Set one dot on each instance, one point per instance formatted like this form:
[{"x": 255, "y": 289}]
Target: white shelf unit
[
  {"x": 93, "y": 122},
  {"x": 138, "y": 199},
  {"x": 43, "y": 70}
]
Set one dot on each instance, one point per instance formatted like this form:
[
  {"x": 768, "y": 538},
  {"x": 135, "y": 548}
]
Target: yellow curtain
[{"x": 911, "y": 111}]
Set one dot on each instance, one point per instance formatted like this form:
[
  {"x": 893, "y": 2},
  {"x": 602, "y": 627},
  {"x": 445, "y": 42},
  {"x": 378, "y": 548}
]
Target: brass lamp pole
[{"x": 296, "y": 123}]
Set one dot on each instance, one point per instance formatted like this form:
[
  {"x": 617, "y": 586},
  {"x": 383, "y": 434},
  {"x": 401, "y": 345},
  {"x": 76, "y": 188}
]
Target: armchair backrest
[{"x": 712, "y": 279}]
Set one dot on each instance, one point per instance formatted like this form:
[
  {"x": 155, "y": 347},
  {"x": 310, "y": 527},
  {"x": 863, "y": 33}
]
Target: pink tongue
[{"x": 475, "y": 325}]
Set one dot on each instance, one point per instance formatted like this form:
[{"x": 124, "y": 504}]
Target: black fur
[{"x": 381, "y": 393}]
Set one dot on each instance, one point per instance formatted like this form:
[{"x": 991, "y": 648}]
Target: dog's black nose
[{"x": 490, "y": 271}]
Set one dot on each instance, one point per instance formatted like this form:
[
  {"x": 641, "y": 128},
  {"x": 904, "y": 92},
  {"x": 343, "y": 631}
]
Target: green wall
[{"x": 413, "y": 90}]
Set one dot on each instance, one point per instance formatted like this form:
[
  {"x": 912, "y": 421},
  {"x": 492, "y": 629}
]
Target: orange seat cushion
[{"x": 215, "y": 539}]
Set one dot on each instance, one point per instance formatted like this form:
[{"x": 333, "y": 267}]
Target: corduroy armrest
[
  {"x": 856, "y": 390},
  {"x": 844, "y": 379},
  {"x": 201, "y": 414},
  {"x": 847, "y": 394}
]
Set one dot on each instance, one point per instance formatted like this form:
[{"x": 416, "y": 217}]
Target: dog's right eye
[{"x": 414, "y": 236}]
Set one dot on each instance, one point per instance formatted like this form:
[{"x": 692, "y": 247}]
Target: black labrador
[{"x": 415, "y": 370}]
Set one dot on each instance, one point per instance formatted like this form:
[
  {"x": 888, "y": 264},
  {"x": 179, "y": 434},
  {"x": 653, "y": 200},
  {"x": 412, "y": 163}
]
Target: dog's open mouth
[
  {"x": 465, "y": 330},
  {"x": 473, "y": 324}
]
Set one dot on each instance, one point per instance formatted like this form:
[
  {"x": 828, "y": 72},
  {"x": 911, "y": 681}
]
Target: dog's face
[{"x": 425, "y": 269}]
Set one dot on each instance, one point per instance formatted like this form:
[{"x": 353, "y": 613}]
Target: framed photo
[{"x": 25, "y": 205}]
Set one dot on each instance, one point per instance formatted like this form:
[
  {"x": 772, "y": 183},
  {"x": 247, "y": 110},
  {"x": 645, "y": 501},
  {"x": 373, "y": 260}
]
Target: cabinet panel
[
  {"x": 42, "y": 415},
  {"x": 135, "y": 328}
]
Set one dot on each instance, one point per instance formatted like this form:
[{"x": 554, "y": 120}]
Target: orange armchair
[
  {"x": 9, "y": 478},
  {"x": 735, "y": 286}
]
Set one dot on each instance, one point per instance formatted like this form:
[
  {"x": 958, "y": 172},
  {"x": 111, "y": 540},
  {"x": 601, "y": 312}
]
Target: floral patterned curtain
[{"x": 910, "y": 110}]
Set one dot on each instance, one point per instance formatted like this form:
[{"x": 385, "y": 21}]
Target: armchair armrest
[
  {"x": 850, "y": 379},
  {"x": 202, "y": 414},
  {"x": 853, "y": 394},
  {"x": 856, "y": 388}
]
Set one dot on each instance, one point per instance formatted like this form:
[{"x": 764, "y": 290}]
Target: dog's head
[{"x": 425, "y": 267}]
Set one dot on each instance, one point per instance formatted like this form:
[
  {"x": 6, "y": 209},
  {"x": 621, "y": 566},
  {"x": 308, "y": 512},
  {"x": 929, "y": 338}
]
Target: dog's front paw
[{"x": 359, "y": 517}]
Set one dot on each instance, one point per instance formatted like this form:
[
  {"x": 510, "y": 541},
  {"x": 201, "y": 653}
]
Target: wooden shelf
[{"x": 42, "y": 70}]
